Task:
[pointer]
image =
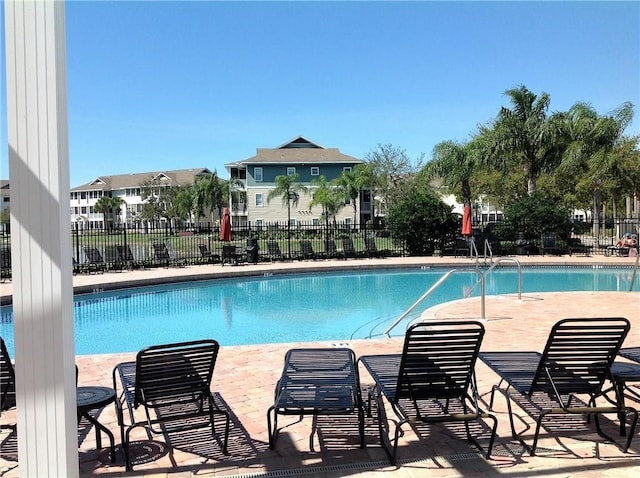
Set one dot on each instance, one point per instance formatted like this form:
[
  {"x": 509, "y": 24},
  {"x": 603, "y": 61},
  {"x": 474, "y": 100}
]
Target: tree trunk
[
  {"x": 597, "y": 216},
  {"x": 531, "y": 180}
]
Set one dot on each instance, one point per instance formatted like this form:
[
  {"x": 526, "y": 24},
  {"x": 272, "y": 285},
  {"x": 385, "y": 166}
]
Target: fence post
[
  {"x": 124, "y": 236},
  {"x": 77, "y": 242}
]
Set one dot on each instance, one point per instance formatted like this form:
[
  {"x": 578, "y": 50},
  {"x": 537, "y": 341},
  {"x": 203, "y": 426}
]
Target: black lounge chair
[
  {"x": 625, "y": 373},
  {"x": 273, "y": 251},
  {"x": 371, "y": 248},
  {"x": 95, "y": 262},
  {"x": 458, "y": 247},
  {"x": 348, "y": 250},
  {"x": 162, "y": 252},
  {"x": 331, "y": 250},
  {"x": 112, "y": 258},
  {"x": 317, "y": 382},
  {"x": 550, "y": 244},
  {"x": 566, "y": 378},
  {"x": 435, "y": 367},
  {"x": 171, "y": 384},
  {"x": 206, "y": 255},
  {"x": 306, "y": 250},
  {"x": 231, "y": 254},
  {"x": 125, "y": 256},
  {"x": 7, "y": 380}
]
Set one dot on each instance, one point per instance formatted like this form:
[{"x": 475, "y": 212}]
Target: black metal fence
[{"x": 145, "y": 246}]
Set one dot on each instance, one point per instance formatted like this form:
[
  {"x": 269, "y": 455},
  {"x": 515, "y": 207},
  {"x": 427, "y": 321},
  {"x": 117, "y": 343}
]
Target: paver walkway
[{"x": 245, "y": 377}]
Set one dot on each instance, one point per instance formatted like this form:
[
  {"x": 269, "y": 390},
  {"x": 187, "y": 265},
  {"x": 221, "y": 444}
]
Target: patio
[{"x": 245, "y": 376}]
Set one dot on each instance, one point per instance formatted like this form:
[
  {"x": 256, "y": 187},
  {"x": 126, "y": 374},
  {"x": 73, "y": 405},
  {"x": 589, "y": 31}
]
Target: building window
[
  {"x": 315, "y": 171},
  {"x": 347, "y": 222},
  {"x": 291, "y": 171},
  {"x": 316, "y": 221},
  {"x": 259, "y": 200},
  {"x": 346, "y": 169},
  {"x": 259, "y": 223},
  {"x": 257, "y": 174},
  {"x": 293, "y": 222}
]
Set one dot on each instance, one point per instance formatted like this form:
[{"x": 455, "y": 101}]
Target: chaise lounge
[
  {"x": 566, "y": 378},
  {"x": 431, "y": 381},
  {"x": 317, "y": 382},
  {"x": 171, "y": 384}
]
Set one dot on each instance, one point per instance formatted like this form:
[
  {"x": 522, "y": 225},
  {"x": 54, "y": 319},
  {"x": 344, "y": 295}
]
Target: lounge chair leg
[{"x": 272, "y": 430}]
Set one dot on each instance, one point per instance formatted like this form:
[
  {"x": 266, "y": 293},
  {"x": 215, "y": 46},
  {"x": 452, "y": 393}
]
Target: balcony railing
[{"x": 239, "y": 208}]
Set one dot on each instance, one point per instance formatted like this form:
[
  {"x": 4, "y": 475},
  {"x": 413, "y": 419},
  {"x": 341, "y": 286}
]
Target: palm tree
[
  {"x": 523, "y": 135},
  {"x": 288, "y": 189},
  {"x": 455, "y": 164},
  {"x": 328, "y": 196},
  {"x": 107, "y": 206},
  {"x": 209, "y": 193},
  {"x": 350, "y": 184},
  {"x": 591, "y": 150}
]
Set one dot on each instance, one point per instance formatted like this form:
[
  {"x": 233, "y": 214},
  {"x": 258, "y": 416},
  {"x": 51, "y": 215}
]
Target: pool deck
[{"x": 245, "y": 376}]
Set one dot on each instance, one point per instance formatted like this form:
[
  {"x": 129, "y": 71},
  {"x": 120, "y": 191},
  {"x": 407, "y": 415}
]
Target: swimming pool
[{"x": 294, "y": 307}]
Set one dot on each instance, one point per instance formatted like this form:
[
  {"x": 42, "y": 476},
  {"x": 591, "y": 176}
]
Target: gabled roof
[
  {"x": 299, "y": 142},
  {"x": 297, "y": 151},
  {"x": 179, "y": 177}
]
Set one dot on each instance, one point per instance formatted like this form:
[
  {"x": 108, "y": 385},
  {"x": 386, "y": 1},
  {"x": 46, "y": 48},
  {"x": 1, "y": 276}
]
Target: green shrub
[
  {"x": 534, "y": 215},
  {"x": 419, "y": 221}
]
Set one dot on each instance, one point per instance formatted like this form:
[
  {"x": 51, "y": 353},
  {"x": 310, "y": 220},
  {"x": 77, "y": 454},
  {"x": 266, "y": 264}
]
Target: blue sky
[{"x": 172, "y": 85}]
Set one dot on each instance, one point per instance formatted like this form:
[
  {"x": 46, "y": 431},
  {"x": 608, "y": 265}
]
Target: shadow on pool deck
[{"x": 245, "y": 377}]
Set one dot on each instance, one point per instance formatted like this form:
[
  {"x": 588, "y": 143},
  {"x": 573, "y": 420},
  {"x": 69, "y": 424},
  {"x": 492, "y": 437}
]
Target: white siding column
[{"x": 41, "y": 239}]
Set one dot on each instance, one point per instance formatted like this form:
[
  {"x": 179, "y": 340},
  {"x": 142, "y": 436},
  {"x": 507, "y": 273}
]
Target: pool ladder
[{"x": 482, "y": 280}]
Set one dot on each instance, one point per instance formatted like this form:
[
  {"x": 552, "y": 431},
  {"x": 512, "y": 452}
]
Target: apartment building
[
  {"x": 253, "y": 178},
  {"x": 128, "y": 187}
]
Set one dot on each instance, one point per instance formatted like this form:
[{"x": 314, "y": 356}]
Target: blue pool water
[{"x": 292, "y": 308}]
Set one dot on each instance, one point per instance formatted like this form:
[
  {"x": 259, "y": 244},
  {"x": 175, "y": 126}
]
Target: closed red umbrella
[
  {"x": 225, "y": 226},
  {"x": 466, "y": 221}
]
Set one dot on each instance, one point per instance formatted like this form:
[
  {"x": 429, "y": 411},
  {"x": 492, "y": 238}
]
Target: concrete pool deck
[{"x": 245, "y": 376}]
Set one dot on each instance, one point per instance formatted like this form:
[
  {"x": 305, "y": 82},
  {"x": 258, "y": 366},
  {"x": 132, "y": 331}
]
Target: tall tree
[
  {"x": 329, "y": 197},
  {"x": 455, "y": 164},
  {"x": 389, "y": 167},
  {"x": 524, "y": 135},
  {"x": 350, "y": 184},
  {"x": 183, "y": 203},
  {"x": 288, "y": 188},
  {"x": 209, "y": 192},
  {"x": 593, "y": 139},
  {"x": 107, "y": 206}
]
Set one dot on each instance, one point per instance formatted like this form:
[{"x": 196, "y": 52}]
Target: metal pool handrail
[
  {"x": 433, "y": 288},
  {"x": 635, "y": 270},
  {"x": 507, "y": 259}
]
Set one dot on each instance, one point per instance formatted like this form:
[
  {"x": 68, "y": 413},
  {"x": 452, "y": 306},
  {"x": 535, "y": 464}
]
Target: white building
[{"x": 128, "y": 187}]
